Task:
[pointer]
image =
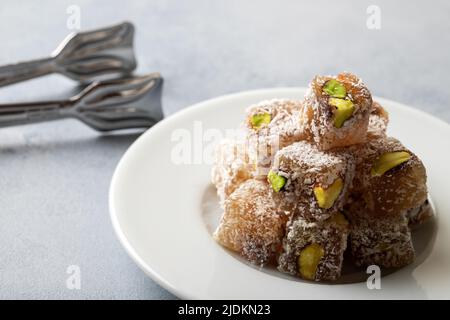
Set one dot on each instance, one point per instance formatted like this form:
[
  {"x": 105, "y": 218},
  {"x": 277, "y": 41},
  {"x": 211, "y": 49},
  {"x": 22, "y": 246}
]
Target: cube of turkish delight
[
  {"x": 271, "y": 125},
  {"x": 336, "y": 111},
  {"x": 314, "y": 250},
  {"x": 382, "y": 241},
  {"x": 311, "y": 182},
  {"x": 389, "y": 178},
  {"x": 251, "y": 224}
]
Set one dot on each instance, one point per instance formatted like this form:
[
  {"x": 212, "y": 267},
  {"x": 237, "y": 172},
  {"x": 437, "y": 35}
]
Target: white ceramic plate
[{"x": 164, "y": 213}]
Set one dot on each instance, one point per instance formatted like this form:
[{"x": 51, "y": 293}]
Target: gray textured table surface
[{"x": 54, "y": 177}]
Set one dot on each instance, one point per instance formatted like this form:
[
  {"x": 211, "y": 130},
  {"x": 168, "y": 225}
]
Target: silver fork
[
  {"x": 132, "y": 102},
  {"x": 84, "y": 57}
]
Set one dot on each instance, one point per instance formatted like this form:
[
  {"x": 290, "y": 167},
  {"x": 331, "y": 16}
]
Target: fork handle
[
  {"x": 26, "y": 113},
  {"x": 22, "y": 71}
]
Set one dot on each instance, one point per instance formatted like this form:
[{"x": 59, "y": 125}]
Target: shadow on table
[{"x": 21, "y": 140}]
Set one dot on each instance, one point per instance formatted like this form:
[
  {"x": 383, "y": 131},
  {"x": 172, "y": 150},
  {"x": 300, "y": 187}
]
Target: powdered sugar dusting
[
  {"x": 231, "y": 168},
  {"x": 251, "y": 223},
  {"x": 305, "y": 167}
]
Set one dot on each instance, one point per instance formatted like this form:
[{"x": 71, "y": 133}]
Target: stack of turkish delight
[{"x": 316, "y": 177}]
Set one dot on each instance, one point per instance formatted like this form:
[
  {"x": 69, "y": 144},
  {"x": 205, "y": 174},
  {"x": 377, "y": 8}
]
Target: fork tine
[
  {"x": 116, "y": 104},
  {"x": 116, "y": 92}
]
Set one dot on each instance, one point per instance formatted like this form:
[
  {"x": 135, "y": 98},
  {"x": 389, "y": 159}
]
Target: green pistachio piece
[
  {"x": 276, "y": 181},
  {"x": 309, "y": 259},
  {"x": 388, "y": 161},
  {"x": 326, "y": 197},
  {"x": 258, "y": 120},
  {"x": 335, "y": 89},
  {"x": 344, "y": 110}
]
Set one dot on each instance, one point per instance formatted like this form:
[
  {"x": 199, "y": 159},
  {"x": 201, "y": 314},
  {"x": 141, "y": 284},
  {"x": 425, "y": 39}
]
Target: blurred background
[{"x": 54, "y": 177}]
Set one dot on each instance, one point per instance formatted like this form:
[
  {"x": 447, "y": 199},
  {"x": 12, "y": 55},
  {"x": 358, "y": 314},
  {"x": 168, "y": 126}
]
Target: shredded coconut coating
[
  {"x": 317, "y": 116},
  {"x": 378, "y": 122},
  {"x": 330, "y": 234},
  {"x": 231, "y": 167},
  {"x": 419, "y": 215},
  {"x": 251, "y": 223},
  {"x": 384, "y": 241},
  {"x": 397, "y": 190},
  {"x": 305, "y": 167},
  {"x": 283, "y": 129}
]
